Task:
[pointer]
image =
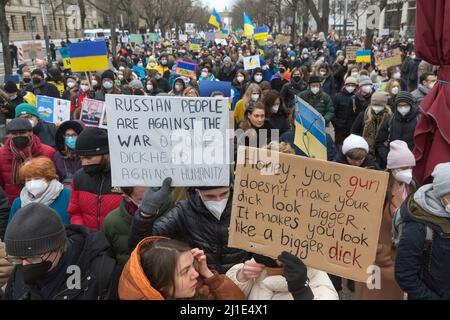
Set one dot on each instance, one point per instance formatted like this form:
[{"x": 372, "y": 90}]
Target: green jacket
[
  {"x": 116, "y": 228},
  {"x": 321, "y": 102}
]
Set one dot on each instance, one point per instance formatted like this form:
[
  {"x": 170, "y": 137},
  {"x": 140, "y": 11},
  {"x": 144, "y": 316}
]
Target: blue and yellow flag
[
  {"x": 261, "y": 33},
  {"x": 65, "y": 55},
  {"x": 363, "y": 56},
  {"x": 310, "y": 135},
  {"x": 248, "y": 26},
  {"x": 88, "y": 56},
  {"x": 215, "y": 19}
]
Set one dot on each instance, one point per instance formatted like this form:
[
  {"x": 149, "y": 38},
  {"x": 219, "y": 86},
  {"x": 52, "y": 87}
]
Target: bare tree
[
  {"x": 4, "y": 35},
  {"x": 322, "y": 21}
]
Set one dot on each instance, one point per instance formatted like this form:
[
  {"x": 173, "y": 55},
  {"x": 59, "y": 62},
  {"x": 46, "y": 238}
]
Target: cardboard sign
[
  {"x": 52, "y": 109},
  {"x": 251, "y": 62},
  {"x": 136, "y": 38},
  {"x": 91, "y": 112},
  {"x": 32, "y": 50},
  {"x": 186, "y": 69},
  {"x": 327, "y": 214},
  {"x": 152, "y": 138},
  {"x": 388, "y": 59},
  {"x": 350, "y": 52},
  {"x": 282, "y": 40},
  {"x": 208, "y": 87}
]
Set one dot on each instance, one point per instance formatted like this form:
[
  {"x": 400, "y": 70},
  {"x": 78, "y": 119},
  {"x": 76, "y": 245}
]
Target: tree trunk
[
  {"x": 63, "y": 3},
  {"x": 305, "y": 19},
  {"x": 4, "y": 35},
  {"x": 279, "y": 17},
  {"x": 54, "y": 19},
  {"x": 325, "y": 16},
  {"x": 113, "y": 28},
  {"x": 82, "y": 13},
  {"x": 294, "y": 20}
]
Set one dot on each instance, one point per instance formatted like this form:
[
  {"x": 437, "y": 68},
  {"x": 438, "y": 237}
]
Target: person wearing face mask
[
  {"x": 178, "y": 87},
  {"x": 318, "y": 99},
  {"x": 66, "y": 161},
  {"x": 368, "y": 123},
  {"x": 253, "y": 94},
  {"x": 363, "y": 95},
  {"x": 394, "y": 73},
  {"x": 15, "y": 98},
  {"x": 93, "y": 196},
  {"x": 282, "y": 77},
  {"x": 328, "y": 81},
  {"x": 21, "y": 146},
  {"x": 42, "y": 186},
  {"x": 151, "y": 87},
  {"x": 228, "y": 70},
  {"x": 42, "y": 248},
  {"x": 26, "y": 80},
  {"x": 401, "y": 184},
  {"x": 296, "y": 86},
  {"x": 39, "y": 86},
  {"x": 409, "y": 70},
  {"x": 206, "y": 74},
  {"x": 205, "y": 209},
  {"x": 46, "y": 131},
  {"x": 257, "y": 76},
  {"x": 277, "y": 114},
  {"x": 108, "y": 86},
  {"x": 422, "y": 261},
  {"x": 427, "y": 82},
  {"x": 392, "y": 88},
  {"x": 401, "y": 126},
  {"x": 238, "y": 87},
  {"x": 163, "y": 66},
  {"x": 117, "y": 224},
  {"x": 343, "y": 111},
  {"x": 151, "y": 65},
  {"x": 305, "y": 58},
  {"x": 139, "y": 68}
]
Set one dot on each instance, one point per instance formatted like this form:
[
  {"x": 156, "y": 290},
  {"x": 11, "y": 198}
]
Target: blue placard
[
  {"x": 45, "y": 108},
  {"x": 311, "y": 120},
  {"x": 208, "y": 87}
]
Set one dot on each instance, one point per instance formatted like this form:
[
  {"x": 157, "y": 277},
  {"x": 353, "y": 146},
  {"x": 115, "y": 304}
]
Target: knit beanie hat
[
  {"x": 92, "y": 141},
  {"x": 10, "y": 87},
  {"x": 400, "y": 156},
  {"x": 108, "y": 74},
  {"x": 379, "y": 98},
  {"x": 19, "y": 125},
  {"x": 351, "y": 80},
  {"x": 38, "y": 72},
  {"x": 354, "y": 142},
  {"x": 364, "y": 81},
  {"x": 441, "y": 182},
  {"x": 227, "y": 60},
  {"x": 136, "y": 84},
  {"x": 26, "y": 108},
  {"x": 305, "y": 51},
  {"x": 35, "y": 229},
  {"x": 406, "y": 97}
]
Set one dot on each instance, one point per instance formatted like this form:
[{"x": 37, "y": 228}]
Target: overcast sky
[{"x": 219, "y": 4}]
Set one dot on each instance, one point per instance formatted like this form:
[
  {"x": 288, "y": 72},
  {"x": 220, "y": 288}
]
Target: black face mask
[
  {"x": 36, "y": 80},
  {"x": 26, "y": 80},
  {"x": 21, "y": 142},
  {"x": 94, "y": 169},
  {"x": 35, "y": 272},
  {"x": 296, "y": 79}
]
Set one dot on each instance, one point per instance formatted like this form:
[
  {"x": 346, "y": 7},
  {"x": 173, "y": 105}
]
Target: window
[
  {"x": 13, "y": 23},
  {"x": 25, "y": 23}
]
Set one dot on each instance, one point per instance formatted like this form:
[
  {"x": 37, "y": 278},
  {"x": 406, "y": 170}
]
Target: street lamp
[
  {"x": 45, "y": 27},
  {"x": 345, "y": 18}
]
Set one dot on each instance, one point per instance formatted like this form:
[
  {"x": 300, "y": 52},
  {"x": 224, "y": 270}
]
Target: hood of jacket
[
  {"x": 134, "y": 284},
  {"x": 413, "y": 113},
  {"x": 77, "y": 126},
  {"x": 427, "y": 200}
]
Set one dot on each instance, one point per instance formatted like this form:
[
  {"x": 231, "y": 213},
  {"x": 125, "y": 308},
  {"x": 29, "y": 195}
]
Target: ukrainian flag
[
  {"x": 310, "y": 135},
  {"x": 88, "y": 56},
  {"x": 363, "y": 56},
  {"x": 215, "y": 19},
  {"x": 248, "y": 26}
]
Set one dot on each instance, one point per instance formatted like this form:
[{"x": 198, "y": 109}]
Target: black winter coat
[
  {"x": 290, "y": 90},
  {"x": 46, "y": 132},
  {"x": 344, "y": 116},
  {"x": 4, "y": 213},
  {"x": 99, "y": 273},
  {"x": 329, "y": 86},
  {"x": 191, "y": 222},
  {"x": 46, "y": 89},
  {"x": 361, "y": 103},
  {"x": 280, "y": 121},
  {"x": 396, "y": 128}
]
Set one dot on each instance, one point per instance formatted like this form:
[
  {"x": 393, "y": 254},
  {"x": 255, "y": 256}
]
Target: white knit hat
[
  {"x": 354, "y": 142},
  {"x": 441, "y": 181}
]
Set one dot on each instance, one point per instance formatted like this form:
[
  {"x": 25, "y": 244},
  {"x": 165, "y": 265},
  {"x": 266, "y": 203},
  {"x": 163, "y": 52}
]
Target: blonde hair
[
  {"x": 390, "y": 85},
  {"x": 248, "y": 94}
]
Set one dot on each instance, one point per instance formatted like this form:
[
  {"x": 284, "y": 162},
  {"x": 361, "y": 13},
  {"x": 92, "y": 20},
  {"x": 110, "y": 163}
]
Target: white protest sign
[
  {"x": 52, "y": 109},
  {"x": 251, "y": 62},
  {"x": 190, "y": 27},
  {"x": 183, "y": 37},
  {"x": 152, "y": 138}
]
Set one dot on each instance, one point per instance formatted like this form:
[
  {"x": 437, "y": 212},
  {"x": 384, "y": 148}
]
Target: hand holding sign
[{"x": 152, "y": 201}]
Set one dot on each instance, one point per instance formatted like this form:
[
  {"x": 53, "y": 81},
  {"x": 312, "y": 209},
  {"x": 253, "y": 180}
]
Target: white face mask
[
  {"x": 36, "y": 187},
  {"x": 404, "y": 110},
  {"x": 94, "y": 83},
  {"x": 395, "y": 91},
  {"x": 397, "y": 75},
  {"x": 255, "y": 97},
  {"x": 120, "y": 77},
  {"x": 84, "y": 87},
  {"x": 404, "y": 176},
  {"x": 275, "y": 108},
  {"x": 350, "y": 89},
  {"x": 355, "y": 75},
  {"x": 322, "y": 73},
  {"x": 315, "y": 90},
  {"x": 204, "y": 74},
  {"x": 431, "y": 85},
  {"x": 216, "y": 207},
  {"x": 367, "y": 89},
  {"x": 240, "y": 79},
  {"x": 377, "y": 109},
  {"x": 152, "y": 64},
  {"x": 258, "y": 78},
  {"x": 70, "y": 84},
  {"x": 149, "y": 87}
]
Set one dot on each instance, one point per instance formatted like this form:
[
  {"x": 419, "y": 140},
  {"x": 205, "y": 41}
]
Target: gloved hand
[
  {"x": 296, "y": 276},
  {"x": 153, "y": 200}
]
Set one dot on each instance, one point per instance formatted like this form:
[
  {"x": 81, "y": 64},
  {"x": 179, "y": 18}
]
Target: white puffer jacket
[{"x": 275, "y": 287}]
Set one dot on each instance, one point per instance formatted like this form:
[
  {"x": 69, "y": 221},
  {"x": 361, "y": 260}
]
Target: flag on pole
[
  {"x": 363, "y": 56},
  {"x": 88, "y": 56},
  {"x": 215, "y": 19},
  {"x": 248, "y": 26}
]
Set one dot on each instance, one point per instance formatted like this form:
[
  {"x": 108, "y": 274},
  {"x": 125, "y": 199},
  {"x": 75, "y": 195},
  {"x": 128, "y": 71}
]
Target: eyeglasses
[{"x": 31, "y": 260}]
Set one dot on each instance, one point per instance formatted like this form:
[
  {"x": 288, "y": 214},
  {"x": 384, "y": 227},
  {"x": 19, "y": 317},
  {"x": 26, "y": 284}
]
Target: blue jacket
[
  {"x": 140, "y": 71},
  {"x": 60, "y": 205},
  {"x": 422, "y": 267}
]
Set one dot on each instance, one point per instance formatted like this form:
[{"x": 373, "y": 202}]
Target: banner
[
  {"x": 88, "y": 56},
  {"x": 153, "y": 37},
  {"x": 195, "y": 45},
  {"x": 52, "y": 109},
  {"x": 136, "y": 38},
  {"x": 350, "y": 52},
  {"x": 251, "y": 62},
  {"x": 186, "y": 69},
  {"x": 91, "y": 112},
  {"x": 152, "y": 138},
  {"x": 183, "y": 37},
  {"x": 310, "y": 134},
  {"x": 388, "y": 59},
  {"x": 282, "y": 40},
  {"x": 65, "y": 55},
  {"x": 190, "y": 27},
  {"x": 325, "y": 213},
  {"x": 208, "y": 87}
]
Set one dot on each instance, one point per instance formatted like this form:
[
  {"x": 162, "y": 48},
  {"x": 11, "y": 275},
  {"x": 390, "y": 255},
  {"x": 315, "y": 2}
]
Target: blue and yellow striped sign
[
  {"x": 363, "y": 56},
  {"x": 88, "y": 56}
]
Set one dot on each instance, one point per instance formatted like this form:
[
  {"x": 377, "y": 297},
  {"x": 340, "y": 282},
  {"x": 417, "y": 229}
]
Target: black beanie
[
  {"x": 10, "y": 87},
  {"x": 35, "y": 229},
  {"x": 38, "y": 72},
  {"x": 108, "y": 74},
  {"x": 405, "y": 96},
  {"x": 92, "y": 141}
]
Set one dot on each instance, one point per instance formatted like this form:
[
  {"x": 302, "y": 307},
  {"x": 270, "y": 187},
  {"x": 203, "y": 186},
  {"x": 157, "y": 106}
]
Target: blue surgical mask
[
  {"x": 70, "y": 142},
  {"x": 107, "y": 85}
]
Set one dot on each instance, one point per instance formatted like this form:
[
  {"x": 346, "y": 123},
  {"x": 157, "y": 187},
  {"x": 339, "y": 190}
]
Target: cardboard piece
[
  {"x": 152, "y": 138},
  {"x": 32, "y": 50},
  {"x": 388, "y": 59},
  {"x": 282, "y": 40},
  {"x": 350, "y": 52},
  {"x": 325, "y": 213}
]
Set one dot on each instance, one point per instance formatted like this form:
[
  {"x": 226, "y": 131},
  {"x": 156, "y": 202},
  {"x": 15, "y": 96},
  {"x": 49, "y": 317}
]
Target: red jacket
[
  {"x": 92, "y": 199},
  {"x": 38, "y": 149}
]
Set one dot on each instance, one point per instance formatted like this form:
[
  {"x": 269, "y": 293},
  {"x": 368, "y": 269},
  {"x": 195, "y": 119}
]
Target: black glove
[
  {"x": 296, "y": 276},
  {"x": 153, "y": 200}
]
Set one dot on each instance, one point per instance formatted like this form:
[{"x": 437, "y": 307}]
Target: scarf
[
  {"x": 372, "y": 126},
  {"x": 47, "y": 198},
  {"x": 18, "y": 158}
]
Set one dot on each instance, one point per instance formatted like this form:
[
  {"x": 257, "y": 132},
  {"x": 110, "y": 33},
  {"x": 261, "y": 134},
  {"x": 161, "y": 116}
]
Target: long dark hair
[
  {"x": 249, "y": 109},
  {"x": 159, "y": 260},
  {"x": 269, "y": 99}
]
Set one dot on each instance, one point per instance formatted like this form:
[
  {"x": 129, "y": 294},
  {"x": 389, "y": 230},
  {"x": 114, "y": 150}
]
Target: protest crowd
[{"x": 59, "y": 207}]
